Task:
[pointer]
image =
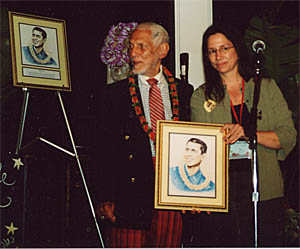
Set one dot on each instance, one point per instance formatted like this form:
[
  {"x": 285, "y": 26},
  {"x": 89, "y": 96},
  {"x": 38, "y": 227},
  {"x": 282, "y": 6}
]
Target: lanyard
[{"x": 242, "y": 104}]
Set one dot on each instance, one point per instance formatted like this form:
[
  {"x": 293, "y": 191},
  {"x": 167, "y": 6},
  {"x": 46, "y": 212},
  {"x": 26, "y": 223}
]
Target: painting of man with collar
[
  {"x": 190, "y": 177},
  {"x": 35, "y": 52}
]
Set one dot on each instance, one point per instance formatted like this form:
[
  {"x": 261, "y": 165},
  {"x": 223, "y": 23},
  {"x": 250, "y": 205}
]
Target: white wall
[{"x": 192, "y": 17}]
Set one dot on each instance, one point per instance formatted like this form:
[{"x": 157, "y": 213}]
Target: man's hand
[{"x": 106, "y": 211}]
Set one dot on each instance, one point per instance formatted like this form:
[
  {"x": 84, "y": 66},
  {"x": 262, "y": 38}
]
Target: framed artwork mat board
[
  {"x": 39, "y": 52},
  {"x": 191, "y": 167}
]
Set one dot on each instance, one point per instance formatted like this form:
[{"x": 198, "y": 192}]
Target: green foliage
[
  {"x": 281, "y": 57},
  {"x": 291, "y": 228}
]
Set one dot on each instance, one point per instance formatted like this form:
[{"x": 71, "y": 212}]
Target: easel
[{"x": 74, "y": 153}]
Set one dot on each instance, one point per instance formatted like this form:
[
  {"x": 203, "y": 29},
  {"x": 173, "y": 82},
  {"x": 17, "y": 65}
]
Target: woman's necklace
[
  {"x": 133, "y": 86},
  {"x": 38, "y": 60}
]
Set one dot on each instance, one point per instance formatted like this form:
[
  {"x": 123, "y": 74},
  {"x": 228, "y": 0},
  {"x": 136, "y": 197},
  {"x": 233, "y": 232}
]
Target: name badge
[{"x": 240, "y": 150}]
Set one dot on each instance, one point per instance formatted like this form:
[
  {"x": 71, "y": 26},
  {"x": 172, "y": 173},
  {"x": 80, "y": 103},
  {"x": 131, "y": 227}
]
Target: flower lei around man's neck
[
  {"x": 40, "y": 61},
  {"x": 133, "y": 86},
  {"x": 183, "y": 174}
]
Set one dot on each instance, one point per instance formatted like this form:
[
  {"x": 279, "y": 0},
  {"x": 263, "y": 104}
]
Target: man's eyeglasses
[{"x": 221, "y": 50}]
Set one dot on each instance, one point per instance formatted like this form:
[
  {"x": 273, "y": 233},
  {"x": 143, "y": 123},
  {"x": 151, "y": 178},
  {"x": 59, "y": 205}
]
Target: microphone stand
[
  {"x": 184, "y": 67},
  {"x": 253, "y": 142}
]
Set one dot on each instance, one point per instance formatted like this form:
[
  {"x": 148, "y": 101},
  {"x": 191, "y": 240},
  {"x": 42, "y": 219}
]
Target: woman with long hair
[{"x": 227, "y": 98}]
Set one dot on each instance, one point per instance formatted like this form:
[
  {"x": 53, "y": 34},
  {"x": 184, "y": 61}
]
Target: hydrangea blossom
[{"x": 116, "y": 45}]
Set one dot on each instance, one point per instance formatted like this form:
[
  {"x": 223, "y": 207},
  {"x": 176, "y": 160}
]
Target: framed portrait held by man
[
  {"x": 39, "y": 52},
  {"x": 191, "y": 167}
]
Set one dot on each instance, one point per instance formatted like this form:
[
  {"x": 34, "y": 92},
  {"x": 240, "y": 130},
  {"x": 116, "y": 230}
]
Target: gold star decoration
[
  {"x": 18, "y": 163},
  {"x": 11, "y": 229}
]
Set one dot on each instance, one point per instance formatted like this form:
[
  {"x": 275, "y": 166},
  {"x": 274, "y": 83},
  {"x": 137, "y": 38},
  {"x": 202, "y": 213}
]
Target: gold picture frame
[
  {"x": 174, "y": 187},
  {"x": 39, "y": 52}
]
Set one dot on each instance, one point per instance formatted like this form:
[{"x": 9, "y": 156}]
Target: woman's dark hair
[{"x": 214, "y": 87}]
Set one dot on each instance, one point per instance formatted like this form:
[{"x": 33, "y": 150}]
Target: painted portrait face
[
  {"x": 222, "y": 54},
  {"x": 37, "y": 38},
  {"x": 192, "y": 154},
  {"x": 144, "y": 55}
]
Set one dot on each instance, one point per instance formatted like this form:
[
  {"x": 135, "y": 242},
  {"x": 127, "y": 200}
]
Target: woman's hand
[
  {"x": 234, "y": 133},
  {"x": 268, "y": 139},
  {"x": 106, "y": 211}
]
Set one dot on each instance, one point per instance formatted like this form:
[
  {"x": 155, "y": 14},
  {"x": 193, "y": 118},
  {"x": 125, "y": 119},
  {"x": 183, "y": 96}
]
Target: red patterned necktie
[{"x": 156, "y": 105}]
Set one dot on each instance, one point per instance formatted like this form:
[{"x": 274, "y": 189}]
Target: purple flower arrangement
[{"x": 114, "y": 53}]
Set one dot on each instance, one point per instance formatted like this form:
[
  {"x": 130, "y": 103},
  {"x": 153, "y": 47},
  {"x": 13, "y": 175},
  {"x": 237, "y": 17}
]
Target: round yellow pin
[{"x": 209, "y": 105}]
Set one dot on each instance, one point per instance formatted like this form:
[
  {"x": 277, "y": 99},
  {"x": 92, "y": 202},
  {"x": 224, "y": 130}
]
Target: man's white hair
[{"x": 159, "y": 34}]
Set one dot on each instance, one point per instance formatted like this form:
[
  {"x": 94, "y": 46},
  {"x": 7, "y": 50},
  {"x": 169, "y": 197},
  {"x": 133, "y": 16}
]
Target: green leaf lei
[{"x": 133, "y": 86}]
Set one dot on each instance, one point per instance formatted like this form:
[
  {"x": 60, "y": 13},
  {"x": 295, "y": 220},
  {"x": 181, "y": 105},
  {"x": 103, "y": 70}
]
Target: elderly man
[
  {"x": 126, "y": 144},
  {"x": 35, "y": 53}
]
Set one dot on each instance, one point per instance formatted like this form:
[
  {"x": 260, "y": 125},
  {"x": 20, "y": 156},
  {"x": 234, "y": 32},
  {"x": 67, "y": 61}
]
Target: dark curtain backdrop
[
  {"x": 87, "y": 24},
  {"x": 56, "y": 211}
]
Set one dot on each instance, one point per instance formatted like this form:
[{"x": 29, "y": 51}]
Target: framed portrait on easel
[
  {"x": 39, "y": 52},
  {"x": 191, "y": 167}
]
